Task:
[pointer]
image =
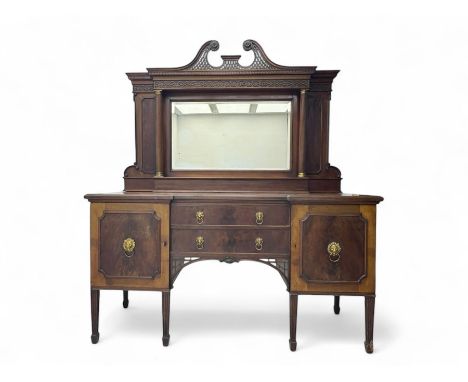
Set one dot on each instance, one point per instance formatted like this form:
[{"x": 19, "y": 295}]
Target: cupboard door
[
  {"x": 129, "y": 245},
  {"x": 332, "y": 249}
]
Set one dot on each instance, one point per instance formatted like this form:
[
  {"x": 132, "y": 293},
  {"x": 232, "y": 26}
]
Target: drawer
[
  {"x": 230, "y": 214},
  {"x": 219, "y": 241},
  {"x": 129, "y": 245}
]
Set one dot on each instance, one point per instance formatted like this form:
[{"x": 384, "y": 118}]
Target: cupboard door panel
[
  {"x": 129, "y": 245},
  {"x": 333, "y": 249}
]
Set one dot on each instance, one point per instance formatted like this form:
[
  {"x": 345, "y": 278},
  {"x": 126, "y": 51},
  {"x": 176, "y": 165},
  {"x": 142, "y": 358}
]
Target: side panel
[
  {"x": 145, "y": 117},
  {"x": 314, "y": 133}
]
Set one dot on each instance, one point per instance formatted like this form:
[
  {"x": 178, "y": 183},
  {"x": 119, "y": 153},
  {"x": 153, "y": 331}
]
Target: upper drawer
[{"x": 229, "y": 214}]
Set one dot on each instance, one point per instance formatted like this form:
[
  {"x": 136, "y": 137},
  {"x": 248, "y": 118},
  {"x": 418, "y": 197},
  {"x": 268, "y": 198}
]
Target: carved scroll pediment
[{"x": 260, "y": 64}]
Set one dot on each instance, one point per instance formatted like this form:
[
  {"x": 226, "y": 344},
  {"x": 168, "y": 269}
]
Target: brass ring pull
[
  {"x": 259, "y": 217},
  {"x": 334, "y": 250},
  {"x": 199, "y": 242},
  {"x": 258, "y": 243},
  {"x": 199, "y": 217},
  {"x": 128, "y": 246}
]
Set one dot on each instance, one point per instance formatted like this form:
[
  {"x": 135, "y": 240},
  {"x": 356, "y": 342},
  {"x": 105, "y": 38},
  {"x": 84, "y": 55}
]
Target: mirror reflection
[{"x": 234, "y": 135}]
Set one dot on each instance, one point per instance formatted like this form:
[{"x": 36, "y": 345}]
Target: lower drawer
[{"x": 218, "y": 241}]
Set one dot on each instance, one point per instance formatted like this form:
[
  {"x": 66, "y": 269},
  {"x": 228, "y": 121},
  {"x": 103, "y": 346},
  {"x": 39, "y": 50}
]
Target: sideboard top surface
[{"x": 302, "y": 197}]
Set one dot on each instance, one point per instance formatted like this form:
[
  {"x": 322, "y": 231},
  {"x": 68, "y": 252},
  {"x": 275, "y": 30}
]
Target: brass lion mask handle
[
  {"x": 129, "y": 247},
  {"x": 334, "y": 250},
  {"x": 199, "y": 217},
  {"x": 200, "y": 242},
  {"x": 258, "y": 243},
  {"x": 259, "y": 217}
]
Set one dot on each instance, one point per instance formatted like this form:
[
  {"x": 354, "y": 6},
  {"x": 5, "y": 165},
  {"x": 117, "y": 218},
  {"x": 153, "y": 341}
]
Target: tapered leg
[
  {"x": 369, "y": 307},
  {"x": 125, "y": 299},
  {"x": 292, "y": 321},
  {"x": 336, "y": 306},
  {"x": 166, "y": 306},
  {"x": 95, "y": 294}
]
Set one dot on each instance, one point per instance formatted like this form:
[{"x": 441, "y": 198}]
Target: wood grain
[
  {"x": 317, "y": 232},
  {"x": 98, "y": 279},
  {"x": 275, "y": 241},
  {"x": 328, "y": 285},
  {"x": 142, "y": 227},
  {"x": 301, "y": 214},
  {"x": 230, "y": 213}
]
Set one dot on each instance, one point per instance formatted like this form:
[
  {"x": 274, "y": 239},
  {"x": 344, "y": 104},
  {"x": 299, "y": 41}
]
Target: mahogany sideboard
[{"x": 260, "y": 188}]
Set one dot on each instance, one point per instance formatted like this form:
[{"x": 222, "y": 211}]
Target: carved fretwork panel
[
  {"x": 143, "y": 88},
  {"x": 178, "y": 263},
  {"x": 281, "y": 265},
  {"x": 232, "y": 84}
]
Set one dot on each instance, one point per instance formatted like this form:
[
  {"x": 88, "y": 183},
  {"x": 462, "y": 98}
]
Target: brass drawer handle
[
  {"x": 129, "y": 246},
  {"x": 258, "y": 243},
  {"x": 199, "y": 242},
  {"x": 334, "y": 250},
  {"x": 259, "y": 218},
  {"x": 199, "y": 217}
]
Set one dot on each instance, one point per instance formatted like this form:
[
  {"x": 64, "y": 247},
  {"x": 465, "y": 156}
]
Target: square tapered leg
[
  {"x": 292, "y": 321},
  {"x": 369, "y": 313},
  {"x": 125, "y": 299},
  {"x": 166, "y": 306},
  {"x": 95, "y": 295},
  {"x": 336, "y": 305}
]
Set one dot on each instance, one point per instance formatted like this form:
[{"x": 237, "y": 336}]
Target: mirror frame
[
  {"x": 226, "y": 97},
  {"x": 243, "y": 130}
]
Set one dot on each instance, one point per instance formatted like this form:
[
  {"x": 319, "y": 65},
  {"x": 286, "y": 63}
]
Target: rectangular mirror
[{"x": 233, "y": 135}]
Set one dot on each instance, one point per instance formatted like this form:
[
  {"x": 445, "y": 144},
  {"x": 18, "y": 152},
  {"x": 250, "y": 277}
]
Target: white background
[{"x": 398, "y": 129}]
